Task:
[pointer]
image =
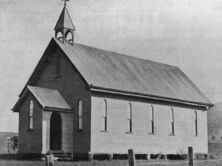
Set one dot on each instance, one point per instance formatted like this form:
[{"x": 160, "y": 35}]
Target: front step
[{"x": 63, "y": 156}]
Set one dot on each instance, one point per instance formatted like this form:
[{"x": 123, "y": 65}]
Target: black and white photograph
[{"x": 111, "y": 83}]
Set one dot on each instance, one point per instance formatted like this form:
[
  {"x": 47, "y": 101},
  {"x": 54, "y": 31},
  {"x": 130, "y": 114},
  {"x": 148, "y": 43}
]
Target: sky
[{"x": 184, "y": 33}]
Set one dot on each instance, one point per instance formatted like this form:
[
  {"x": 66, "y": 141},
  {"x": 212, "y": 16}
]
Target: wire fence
[
  {"x": 163, "y": 163},
  {"x": 213, "y": 162},
  {"x": 101, "y": 163},
  {"x": 190, "y": 162}
]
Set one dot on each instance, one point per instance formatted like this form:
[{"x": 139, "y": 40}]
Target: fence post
[
  {"x": 50, "y": 159},
  {"x": 110, "y": 157},
  {"x": 90, "y": 157},
  {"x": 190, "y": 156},
  {"x": 131, "y": 158}
]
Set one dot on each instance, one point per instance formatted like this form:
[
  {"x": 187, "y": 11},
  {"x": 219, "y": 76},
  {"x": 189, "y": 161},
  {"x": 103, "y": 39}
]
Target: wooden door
[{"x": 55, "y": 131}]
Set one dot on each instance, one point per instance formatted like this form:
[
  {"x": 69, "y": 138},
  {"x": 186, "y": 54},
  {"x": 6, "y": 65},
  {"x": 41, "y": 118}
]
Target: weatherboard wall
[
  {"x": 117, "y": 140},
  {"x": 30, "y": 140},
  {"x": 215, "y": 130}
]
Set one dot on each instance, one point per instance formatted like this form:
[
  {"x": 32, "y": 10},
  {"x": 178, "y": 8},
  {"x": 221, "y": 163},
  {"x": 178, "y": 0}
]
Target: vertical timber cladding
[
  {"x": 72, "y": 88},
  {"x": 117, "y": 140}
]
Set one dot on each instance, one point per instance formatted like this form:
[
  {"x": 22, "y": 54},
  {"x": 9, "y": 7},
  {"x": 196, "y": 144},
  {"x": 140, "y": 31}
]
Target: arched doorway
[{"x": 55, "y": 131}]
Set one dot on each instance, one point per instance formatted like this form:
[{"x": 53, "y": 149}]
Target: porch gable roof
[{"x": 47, "y": 98}]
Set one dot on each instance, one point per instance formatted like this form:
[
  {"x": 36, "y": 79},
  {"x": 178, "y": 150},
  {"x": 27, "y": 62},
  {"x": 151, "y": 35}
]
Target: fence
[
  {"x": 131, "y": 162},
  {"x": 110, "y": 163},
  {"x": 189, "y": 162},
  {"x": 184, "y": 163}
]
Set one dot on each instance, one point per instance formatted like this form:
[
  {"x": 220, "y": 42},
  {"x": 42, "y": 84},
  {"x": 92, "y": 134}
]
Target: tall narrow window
[
  {"x": 104, "y": 116},
  {"x": 80, "y": 115},
  {"x": 152, "y": 129},
  {"x": 129, "y": 118},
  {"x": 31, "y": 107},
  {"x": 172, "y": 121},
  {"x": 58, "y": 65},
  {"x": 196, "y": 124}
]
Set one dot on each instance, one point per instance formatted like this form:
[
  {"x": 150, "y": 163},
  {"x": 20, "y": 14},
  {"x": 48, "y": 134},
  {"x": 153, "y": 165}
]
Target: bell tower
[{"x": 64, "y": 28}]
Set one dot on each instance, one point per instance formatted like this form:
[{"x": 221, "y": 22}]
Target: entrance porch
[{"x": 57, "y": 132}]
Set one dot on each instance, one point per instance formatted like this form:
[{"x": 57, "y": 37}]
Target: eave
[
  {"x": 205, "y": 106},
  {"x": 57, "y": 109}
]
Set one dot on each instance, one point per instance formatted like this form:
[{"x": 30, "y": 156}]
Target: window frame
[
  {"x": 130, "y": 119},
  {"x": 152, "y": 121},
  {"x": 172, "y": 122},
  {"x": 30, "y": 115},
  {"x": 58, "y": 66},
  {"x": 196, "y": 123},
  {"x": 80, "y": 115},
  {"x": 104, "y": 117}
]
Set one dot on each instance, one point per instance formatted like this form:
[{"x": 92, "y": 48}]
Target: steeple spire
[{"x": 64, "y": 28}]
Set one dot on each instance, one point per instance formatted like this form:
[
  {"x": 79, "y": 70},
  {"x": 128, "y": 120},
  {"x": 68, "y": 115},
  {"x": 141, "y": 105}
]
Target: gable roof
[
  {"x": 106, "y": 71},
  {"x": 49, "y": 98},
  {"x": 109, "y": 70}
]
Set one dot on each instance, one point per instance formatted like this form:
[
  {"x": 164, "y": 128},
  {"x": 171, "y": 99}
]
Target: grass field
[{"x": 111, "y": 163}]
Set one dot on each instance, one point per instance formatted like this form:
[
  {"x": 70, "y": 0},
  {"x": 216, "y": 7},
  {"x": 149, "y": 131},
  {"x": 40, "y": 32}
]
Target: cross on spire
[{"x": 65, "y": 2}]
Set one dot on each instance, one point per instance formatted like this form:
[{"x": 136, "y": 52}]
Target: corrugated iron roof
[
  {"x": 49, "y": 98},
  {"x": 111, "y": 70}
]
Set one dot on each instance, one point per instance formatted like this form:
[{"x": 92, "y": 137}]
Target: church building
[{"x": 84, "y": 100}]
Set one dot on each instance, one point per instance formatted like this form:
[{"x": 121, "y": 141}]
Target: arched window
[
  {"x": 31, "y": 107},
  {"x": 69, "y": 37},
  {"x": 129, "y": 118},
  {"x": 172, "y": 121},
  {"x": 196, "y": 124},
  {"x": 104, "y": 116},
  {"x": 152, "y": 129},
  {"x": 59, "y": 36},
  {"x": 80, "y": 115},
  {"x": 58, "y": 65}
]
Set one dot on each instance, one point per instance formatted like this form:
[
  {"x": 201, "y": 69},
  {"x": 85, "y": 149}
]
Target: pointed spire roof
[{"x": 64, "y": 20}]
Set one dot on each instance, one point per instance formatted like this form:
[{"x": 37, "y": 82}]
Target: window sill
[
  {"x": 56, "y": 151},
  {"x": 58, "y": 76},
  {"x": 29, "y": 130},
  {"x": 129, "y": 132},
  {"x": 80, "y": 130},
  {"x": 104, "y": 131}
]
